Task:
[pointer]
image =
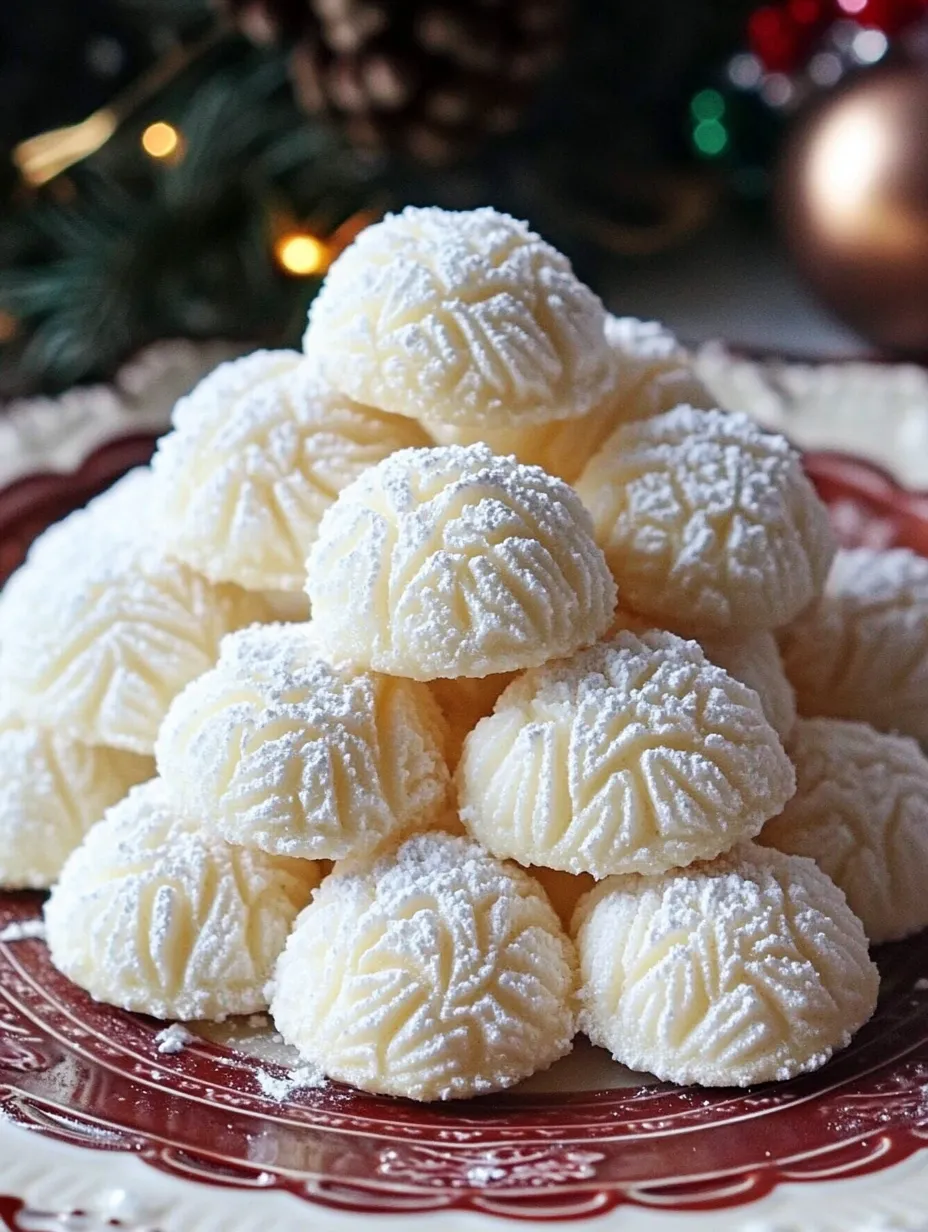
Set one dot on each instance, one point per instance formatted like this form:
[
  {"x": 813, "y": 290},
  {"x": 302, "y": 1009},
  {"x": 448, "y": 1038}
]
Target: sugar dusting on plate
[
  {"x": 173, "y": 1039},
  {"x": 24, "y": 930},
  {"x": 303, "y": 1077}
]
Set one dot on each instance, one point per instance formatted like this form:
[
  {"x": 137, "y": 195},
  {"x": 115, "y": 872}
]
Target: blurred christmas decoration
[
  {"x": 796, "y": 51},
  {"x": 799, "y": 47},
  {"x": 418, "y": 78},
  {"x": 853, "y": 199},
  {"x": 163, "y": 176},
  {"x": 844, "y": 85},
  {"x": 173, "y": 231}
]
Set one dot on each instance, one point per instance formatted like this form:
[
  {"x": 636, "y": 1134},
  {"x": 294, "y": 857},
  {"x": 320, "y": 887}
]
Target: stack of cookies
[{"x": 437, "y": 688}]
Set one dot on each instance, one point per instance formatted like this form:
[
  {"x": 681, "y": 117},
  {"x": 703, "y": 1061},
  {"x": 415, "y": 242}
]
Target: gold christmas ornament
[{"x": 853, "y": 205}]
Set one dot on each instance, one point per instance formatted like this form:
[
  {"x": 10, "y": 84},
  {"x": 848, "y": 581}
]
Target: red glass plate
[{"x": 91, "y": 1076}]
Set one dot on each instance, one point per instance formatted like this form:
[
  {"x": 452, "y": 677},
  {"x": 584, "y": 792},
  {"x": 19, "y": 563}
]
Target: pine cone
[
  {"x": 428, "y": 78},
  {"x": 266, "y": 21}
]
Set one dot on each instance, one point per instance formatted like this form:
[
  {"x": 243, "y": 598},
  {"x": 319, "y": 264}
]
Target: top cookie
[
  {"x": 456, "y": 562},
  {"x": 463, "y": 318},
  {"x": 259, "y": 451}
]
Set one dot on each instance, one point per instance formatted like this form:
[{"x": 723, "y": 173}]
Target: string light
[
  {"x": 9, "y": 326},
  {"x": 302, "y": 254},
  {"x": 161, "y": 140},
  {"x": 39, "y": 159},
  {"x": 710, "y": 135},
  {"x": 710, "y": 138}
]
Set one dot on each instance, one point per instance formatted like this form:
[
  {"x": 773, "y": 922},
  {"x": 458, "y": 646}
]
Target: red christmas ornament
[
  {"x": 782, "y": 35},
  {"x": 890, "y": 16},
  {"x": 811, "y": 15},
  {"x": 775, "y": 39}
]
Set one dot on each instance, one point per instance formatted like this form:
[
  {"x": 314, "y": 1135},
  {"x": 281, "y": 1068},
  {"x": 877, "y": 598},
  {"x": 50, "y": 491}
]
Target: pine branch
[{"x": 147, "y": 249}]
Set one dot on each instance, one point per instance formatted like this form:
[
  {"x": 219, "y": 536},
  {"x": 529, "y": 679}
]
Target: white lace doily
[
  {"x": 877, "y": 411},
  {"x": 42, "y": 434}
]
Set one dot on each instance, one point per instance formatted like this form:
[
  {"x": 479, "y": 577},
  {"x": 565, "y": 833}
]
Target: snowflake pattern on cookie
[
  {"x": 435, "y": 973},
  {"x": 463, "y": 318},
  {"x": 154, "y": 913},
  {"x": 455, "y": 562},
  {"x": 634, "y": 756},
  {"x": 748, "y": 969},
  {"x": 707, "y": 521},
  {"x": 279, "y": 750}
]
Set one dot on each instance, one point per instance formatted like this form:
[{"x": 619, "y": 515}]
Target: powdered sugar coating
[
  {"x": 861, "y": 812},
  {"x": 155, "y": 914},
  {"x": 708, "y": 520},
  {"x": 636, "y": 755},
  {"x": 455, "y": 562},
  {"x": 435, "y": 973},
  {"x": 259, "y": 451},
  {"x": 752, "y": 657},
  {"x": 749, "y": 969},
  {"x": 464, "y": 318},
  {"x": 652, "y": 374},
  {"x": 98, "y": 631},
  {"x": 464, "y": 702},
  {"x": 279, "y": 750},
  {"x": 861, "y": 650},
  {"x": 657, "y": 373},
  {"x": 52, "y": 790}
]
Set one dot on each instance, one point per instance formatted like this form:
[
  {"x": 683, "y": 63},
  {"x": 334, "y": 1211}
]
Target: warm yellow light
[
  {"x": 41, "y": 158},
  {"x": 301, "y": 254},
  {"x": 160, "y": 140},
  {"x": 9, "y": 326}
]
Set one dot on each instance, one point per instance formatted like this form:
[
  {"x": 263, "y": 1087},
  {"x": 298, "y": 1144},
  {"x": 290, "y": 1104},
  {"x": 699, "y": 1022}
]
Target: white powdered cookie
[
  {"x": 656, "y": 373},
  {"x": 708, "y": 521},
  {"x": 154, "y": 913},
  {"x": 279, "y": 750},
  {"x": 52, "y": 790},
  {"x": 637, "y": 755},
  {"x": 861, "y": 813},
  {"x": 435, "y": 973},
  {"x": 462, "y": 318},
  {"x": 653, "y": 373},
  {"x": 98, "y": 631},
  {"x": 455, "y": 562},
  {"x": 752, "y": 657},
  {"x": 749, "y": 969},
  {"x": 259, "y": 451},
  {"x": 861, "y": 650}
]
